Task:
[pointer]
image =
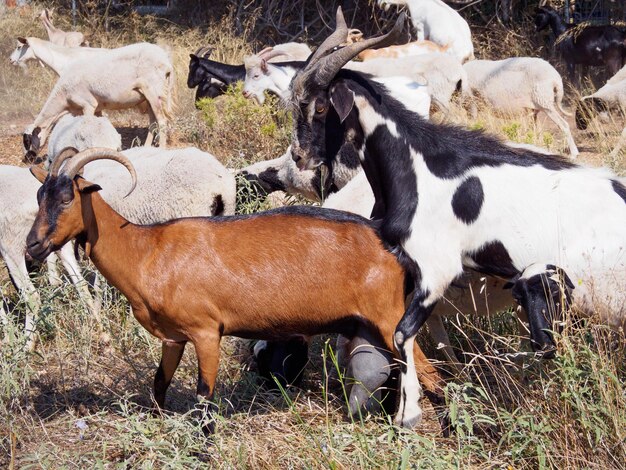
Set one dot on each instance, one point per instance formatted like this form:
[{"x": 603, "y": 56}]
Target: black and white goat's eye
[{"x": 320, "y": 108}]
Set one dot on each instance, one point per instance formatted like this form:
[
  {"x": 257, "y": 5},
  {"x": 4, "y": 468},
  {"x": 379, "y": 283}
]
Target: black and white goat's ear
[
  {"x": 22, "y": 40},
  {"x": 342, "y": 99}
]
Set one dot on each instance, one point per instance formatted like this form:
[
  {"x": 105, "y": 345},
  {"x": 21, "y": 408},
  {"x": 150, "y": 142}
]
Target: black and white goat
[{"x": 449, "y": 198}]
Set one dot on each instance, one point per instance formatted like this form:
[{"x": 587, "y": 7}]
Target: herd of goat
[{"x": 418, "y": 220}]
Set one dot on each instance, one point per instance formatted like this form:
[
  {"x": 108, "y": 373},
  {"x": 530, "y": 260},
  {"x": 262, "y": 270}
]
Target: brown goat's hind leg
[
  {"x": 171, "y": 353},
  {"x": 208, "y": 351}
]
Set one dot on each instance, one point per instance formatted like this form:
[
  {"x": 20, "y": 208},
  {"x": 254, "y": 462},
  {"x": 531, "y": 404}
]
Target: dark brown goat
[
  {"x": 584, "y": 45},
  {"x": 299, "y": 270}
]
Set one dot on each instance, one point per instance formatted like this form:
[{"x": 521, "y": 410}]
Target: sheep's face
[
  {"x": 64, "y": 209},
  {"x": 544, "y": 296},
  {"x": 320, "y": 125}
]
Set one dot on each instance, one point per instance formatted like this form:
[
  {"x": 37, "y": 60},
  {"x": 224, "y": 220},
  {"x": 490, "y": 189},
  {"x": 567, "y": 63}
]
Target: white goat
[
  {"x": 611, "y": 96},
  {"x": 118, "y": 79},
  {"x": 398, "y": 75},
  {"x": 437, "y": 22},
  {"x": 518, "y": 84},
  {"x": 450, "y": 198},
  {"x": 58, "y": 36},
  {"x": 55, "y": 56}
]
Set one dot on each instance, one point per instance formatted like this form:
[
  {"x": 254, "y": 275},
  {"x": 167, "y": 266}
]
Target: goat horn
[
  {"x": 86, "y": 156},
  {"x": 271, "y": 54},
  {"x": 326, "y": 68},
  {"x": 67, "y": 152},
  {"x": 354, "y": 35},
  {"x": 336, "y": 38},
  {"x": 201, "y": 51}
]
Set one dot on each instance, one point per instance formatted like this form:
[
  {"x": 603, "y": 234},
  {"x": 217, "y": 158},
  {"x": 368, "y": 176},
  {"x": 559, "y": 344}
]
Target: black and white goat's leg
[
  {"x": 171, "y": 353},
  {"x": 409, "y": 412}
]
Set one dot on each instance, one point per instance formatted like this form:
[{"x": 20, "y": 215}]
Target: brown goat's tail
[{"x": 558, "y": 98}]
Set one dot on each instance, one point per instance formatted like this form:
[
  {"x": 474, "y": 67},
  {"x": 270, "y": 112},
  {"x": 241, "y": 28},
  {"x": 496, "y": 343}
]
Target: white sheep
[
  {"x": 18, "y": 197},
  {"x": 437, "y": 22},
  {"x": 282, "y": 174},
  {"x": 611, "y": 96},
  {"x": 82, "y": 132},
  {"x": 443, "y": 74},
  {"x": 171, "y": 183},
  {"x": 122, "y": 78},
  {"x": 58, "y": 36},
  {"x": 518, "y": 84}
]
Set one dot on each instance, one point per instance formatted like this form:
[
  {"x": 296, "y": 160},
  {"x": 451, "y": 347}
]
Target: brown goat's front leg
[
  {"x": 208, "y": 351},
  {"x": 171, "y": 353}
]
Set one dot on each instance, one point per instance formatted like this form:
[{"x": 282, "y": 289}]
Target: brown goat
[{"x": 293, "y": 271}]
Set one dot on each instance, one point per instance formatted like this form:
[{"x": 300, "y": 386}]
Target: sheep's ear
[
  {"x": 39, "y": 173},
  {"x": 87, "y": 187},
  {"x": 22, "y": 40},
  {"x": 342, "y": 99}
]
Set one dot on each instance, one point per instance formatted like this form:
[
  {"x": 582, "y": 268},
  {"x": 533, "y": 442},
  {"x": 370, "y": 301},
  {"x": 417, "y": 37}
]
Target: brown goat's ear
[
  {"x": 87, "y": 187},
  {"x": 342, "y": 99},
  {"x": 39, "y": 173}
]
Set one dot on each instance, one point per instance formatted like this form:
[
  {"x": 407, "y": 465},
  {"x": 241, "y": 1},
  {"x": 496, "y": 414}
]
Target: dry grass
[{"x": 568, "y": 413}]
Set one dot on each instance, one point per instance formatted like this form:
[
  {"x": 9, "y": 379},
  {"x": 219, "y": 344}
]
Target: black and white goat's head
[{"x": 323, "y": 104}]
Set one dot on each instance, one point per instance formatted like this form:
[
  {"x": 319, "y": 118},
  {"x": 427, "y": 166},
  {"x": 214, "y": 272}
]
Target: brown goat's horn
[
  {"x": 67, "y": 152},
  {"x": 86, "y": 156}
]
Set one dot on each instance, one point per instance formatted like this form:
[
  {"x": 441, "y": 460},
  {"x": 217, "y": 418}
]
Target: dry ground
[{"x": 573, "y": 416}]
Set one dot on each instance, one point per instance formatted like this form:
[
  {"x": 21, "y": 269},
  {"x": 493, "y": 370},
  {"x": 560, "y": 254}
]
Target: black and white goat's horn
[{"x": 324, "y": 69}]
